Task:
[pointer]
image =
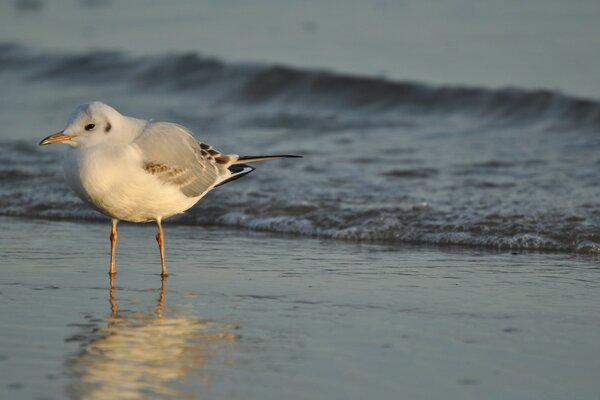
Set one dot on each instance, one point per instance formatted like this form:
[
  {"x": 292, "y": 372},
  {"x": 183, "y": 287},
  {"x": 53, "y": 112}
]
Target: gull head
[{"x": 89, "y": 125}]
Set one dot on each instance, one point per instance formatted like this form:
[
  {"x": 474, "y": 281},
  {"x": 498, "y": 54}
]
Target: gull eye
[{"x": 89, "y": 127}]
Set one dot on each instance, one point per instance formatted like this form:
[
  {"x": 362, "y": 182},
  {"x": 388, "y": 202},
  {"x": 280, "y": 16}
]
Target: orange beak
[{"x": 55, "y": 138}]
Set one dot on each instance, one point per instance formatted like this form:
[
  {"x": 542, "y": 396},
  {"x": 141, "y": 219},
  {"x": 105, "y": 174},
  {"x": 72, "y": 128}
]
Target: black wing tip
[
  {"x": 238, "y": 171},
  {"x": 241, "y": 168},
  {"x": 269, "y": 157},
  {"x": 290, "y": 156}
]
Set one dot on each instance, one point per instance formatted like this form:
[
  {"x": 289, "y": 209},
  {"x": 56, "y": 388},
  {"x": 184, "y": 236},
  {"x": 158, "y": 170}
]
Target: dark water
[{"x": 385, "y": 160}]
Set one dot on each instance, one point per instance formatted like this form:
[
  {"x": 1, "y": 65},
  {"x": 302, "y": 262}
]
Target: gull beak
[{"x": 55, "y": 138}]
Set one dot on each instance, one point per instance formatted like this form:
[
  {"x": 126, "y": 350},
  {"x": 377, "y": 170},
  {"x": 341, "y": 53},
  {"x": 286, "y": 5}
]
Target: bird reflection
[{"x": 145, "y": 354}]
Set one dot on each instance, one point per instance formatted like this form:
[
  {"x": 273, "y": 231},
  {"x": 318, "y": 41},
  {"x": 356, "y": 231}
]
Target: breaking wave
[{"x": 258, "y": 84}]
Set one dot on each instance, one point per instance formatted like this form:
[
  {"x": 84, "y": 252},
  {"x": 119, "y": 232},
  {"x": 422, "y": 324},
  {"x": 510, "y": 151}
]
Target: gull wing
[{"x": 172, "y": 154}]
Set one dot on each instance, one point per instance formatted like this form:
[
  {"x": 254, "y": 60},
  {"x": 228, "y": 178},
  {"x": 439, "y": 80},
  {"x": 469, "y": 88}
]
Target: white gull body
[
  {"x": 113, "y": 172},
  {"x": 136, "y": 170}
]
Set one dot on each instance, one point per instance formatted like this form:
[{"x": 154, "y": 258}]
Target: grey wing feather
[{"x": 171, "y": 153}]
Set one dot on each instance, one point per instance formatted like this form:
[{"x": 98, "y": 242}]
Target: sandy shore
[{"x": 256, "y": 316}]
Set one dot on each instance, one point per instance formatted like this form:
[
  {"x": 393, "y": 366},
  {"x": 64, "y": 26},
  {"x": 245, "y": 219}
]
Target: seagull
[{"x": 140, "y": 171}]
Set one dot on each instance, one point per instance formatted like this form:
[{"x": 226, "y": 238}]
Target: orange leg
[
  {"x": 113, "y": 247},
  {"x": 160, "y": 238}
]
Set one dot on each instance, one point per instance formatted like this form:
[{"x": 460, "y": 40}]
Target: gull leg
[
  {"x": 160, "y": 239},
  {"x": 113, "y": 247}
]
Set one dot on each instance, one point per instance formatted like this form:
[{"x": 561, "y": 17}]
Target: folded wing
[{"x": 173, "y": 155}]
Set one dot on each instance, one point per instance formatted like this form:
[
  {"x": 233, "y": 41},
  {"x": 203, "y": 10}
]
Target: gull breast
[{"x": 112, "y": 180}]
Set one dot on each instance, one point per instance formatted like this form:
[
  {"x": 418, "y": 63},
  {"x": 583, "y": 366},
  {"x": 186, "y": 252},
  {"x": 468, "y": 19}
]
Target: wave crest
[{"x": 256, "y": 84}]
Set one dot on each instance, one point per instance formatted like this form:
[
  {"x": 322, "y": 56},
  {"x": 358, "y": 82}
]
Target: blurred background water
[{"x": 528, "y": 43}]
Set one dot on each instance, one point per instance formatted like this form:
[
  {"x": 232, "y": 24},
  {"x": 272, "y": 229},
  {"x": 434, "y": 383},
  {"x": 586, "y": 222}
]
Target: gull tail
[
  {"x": 251, "y": 159},
  {"x": 239, "y": 168}
]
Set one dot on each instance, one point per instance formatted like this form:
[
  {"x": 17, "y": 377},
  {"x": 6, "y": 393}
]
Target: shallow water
[{"x": 298, "y": 319}]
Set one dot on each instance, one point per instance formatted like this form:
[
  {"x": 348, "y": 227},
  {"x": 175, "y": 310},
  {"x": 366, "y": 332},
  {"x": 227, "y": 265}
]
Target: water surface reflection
[{"x": 141, "y": 354}]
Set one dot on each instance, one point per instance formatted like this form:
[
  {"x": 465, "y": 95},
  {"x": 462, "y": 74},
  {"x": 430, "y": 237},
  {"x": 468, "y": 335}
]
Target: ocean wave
[
  {"x": 254, "y": 85},
  {"x": 32, "y": 191},
  {"x": 380, "y": 228}
]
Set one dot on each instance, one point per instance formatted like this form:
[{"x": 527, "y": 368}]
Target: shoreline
[{"x": 593, "y": 254}]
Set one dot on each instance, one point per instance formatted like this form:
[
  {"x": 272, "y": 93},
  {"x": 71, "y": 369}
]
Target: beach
[{"x": 255, "y": 315}]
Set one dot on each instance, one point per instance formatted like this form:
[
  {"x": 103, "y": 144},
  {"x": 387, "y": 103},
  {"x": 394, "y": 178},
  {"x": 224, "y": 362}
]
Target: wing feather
[{"x": 171, "y": 153}]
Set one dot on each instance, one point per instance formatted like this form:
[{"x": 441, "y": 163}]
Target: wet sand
[{"x": 248, "y": 315}]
